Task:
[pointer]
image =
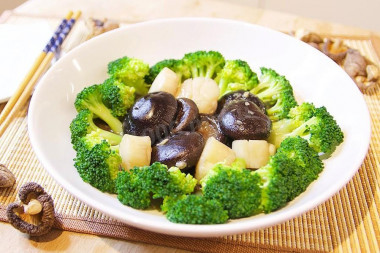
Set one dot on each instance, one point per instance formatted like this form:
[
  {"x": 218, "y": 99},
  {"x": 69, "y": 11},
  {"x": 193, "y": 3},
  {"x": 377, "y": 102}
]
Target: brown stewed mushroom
[
  {"x": 7, "y": 179},
  {"x": 34, "y": 202}
]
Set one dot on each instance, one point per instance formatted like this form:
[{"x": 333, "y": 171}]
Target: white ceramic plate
[{"x": 315, "y": 78}]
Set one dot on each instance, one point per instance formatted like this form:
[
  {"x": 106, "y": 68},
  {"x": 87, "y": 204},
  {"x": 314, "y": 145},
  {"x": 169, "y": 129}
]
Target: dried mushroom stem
[
  {"x": 33, "y": 207},
  {"x": 335, "y": 50},
  {"x": 7, "y": 179},
  {"x": 42, "y": 205}
]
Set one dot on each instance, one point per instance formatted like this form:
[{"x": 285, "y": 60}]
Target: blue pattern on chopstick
[
  {"x": 61, "y": 36},
  {"x": 56, "y": 34}
]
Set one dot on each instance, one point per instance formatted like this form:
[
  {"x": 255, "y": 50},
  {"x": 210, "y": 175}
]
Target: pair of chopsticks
[{"x": 40, "y": 65}]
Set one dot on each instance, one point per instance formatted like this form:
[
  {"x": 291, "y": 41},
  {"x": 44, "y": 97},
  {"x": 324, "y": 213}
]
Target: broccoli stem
[{"x": 105, "y": 114}]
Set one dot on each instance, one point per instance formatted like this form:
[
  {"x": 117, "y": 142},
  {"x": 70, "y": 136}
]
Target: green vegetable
[
  {"x": 194, "y": 209},
  {"x": 276, "y": 93},
  {"x": 131, "y": 72},
  {"x": 117, "y": 96},
  {"x": 204, "y": 63},
  {"x": 177, "y": 66},
  {"x": 83, "y": 124},
  {"x": 237, "y": 189},
  {"x": 316, "y": 125},
  {"x": 236, "y": 75},
  {"x": 91, "y": 98},
  {"x": 288, "y": 173},
  {"x": 138, "y": 186},
  {"x": 97, "y": 162}
]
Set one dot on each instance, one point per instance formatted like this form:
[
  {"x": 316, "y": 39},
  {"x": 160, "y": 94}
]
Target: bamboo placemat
[{"x": 348, "y": 222}]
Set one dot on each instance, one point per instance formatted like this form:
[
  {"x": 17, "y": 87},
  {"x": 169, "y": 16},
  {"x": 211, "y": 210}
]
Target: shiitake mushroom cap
[
  {"x": 209, "y": 127},
  {"x": 182, "y": 150},
  {"x": 151, "y": 115},
  {"x": 187, "y": 118},
  {"x": 240, "y": 95},
  {"x": 244, "y": 120}
]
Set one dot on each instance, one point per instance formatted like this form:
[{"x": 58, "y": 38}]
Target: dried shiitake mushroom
[
  {"x": 361, "y": 70},
  {"x": 7, "y": 179},
  {"x": 37, "y": 203}
]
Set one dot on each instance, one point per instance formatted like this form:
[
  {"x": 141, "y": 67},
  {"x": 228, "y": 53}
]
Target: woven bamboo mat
[{"x": 348, "y": 222}]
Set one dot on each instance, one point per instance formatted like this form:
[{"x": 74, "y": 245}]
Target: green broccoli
[
  {"x": 97, "y": 162},
  {"x": 91, "y": 98},
  {"x": 288, "y": 173},
  {"x": 276, "y": 93},
  {"x": 236, "y": 75},
  {"x": 194, "y": 209},
  {"x": 237, "y": 189},
  {"x": 131, "y": 72},
  {"x": 117, "y": 96},
  {"x": 138, "y": 186},
  {"x": 316, "y": 125},
  {"x": 177, "y": 66},
  {"x": 83, "y": 124},
  {"x": 204, "y": 63}
]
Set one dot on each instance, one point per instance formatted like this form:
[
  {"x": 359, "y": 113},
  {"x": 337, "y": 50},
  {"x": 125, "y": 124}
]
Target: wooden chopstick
[{"x": 25, "y": 89}]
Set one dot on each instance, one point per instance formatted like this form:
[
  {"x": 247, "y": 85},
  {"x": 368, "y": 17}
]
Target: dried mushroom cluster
[
  {"x": 7, "y": 179},
  {"x": 365, "y": 74},
  {"x": 35, "y": 214}
]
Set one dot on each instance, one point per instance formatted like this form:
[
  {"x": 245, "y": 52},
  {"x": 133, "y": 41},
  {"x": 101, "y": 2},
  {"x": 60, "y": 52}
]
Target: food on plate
[
  {"x": 236, "y": 75},
  {"x": 242, "y": 119},
  {"x": 135, "y": 151},
  {"x": 181, "y": 150},
  {"x": 288, "y": 173},
  {"x": 167, "y": 80},
  {"x": 151, "y": 115},
  {"x": 203, "y": 91},
  {"x": 214, "y": 152},
  {"x": 209, "y": 127},
  {"x": 194, "y": 209},
  {"x": 316, "y": 125},
  {"x": 138, "y": 186},
  {"x": 240, "y": 95},
  {"x": 187, "y": 117},
  {"x": 204, "y": 137},
  {"x": 276, "y": 93},
  {"x": 255, "y": 153}
]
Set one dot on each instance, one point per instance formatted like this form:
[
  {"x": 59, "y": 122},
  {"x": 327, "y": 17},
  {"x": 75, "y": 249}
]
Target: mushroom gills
[{"x": 151, "y": 115}]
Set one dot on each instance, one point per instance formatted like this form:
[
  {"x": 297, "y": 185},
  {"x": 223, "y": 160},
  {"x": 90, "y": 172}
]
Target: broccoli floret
[
  {"x": 131, "y": 72},
  {"x": 237, "y": 189},
  {"x": 177, "y": 66},
  {"x": 117, "y": 96},
  {"x": 276, "y": 93},
  {"x": 194, "y": 209},
  {"x": 288, "y": 173},
  {"x": 138, "y": 186},
  {"x": 91, "y": 98},
  {"x": 236, "y": 75},
  {"x": 83, "y": 124},
  {"x": 97, "y": 162},
  {"x": 316, "y": 125},
  {"x": 204, "y": 63}
]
